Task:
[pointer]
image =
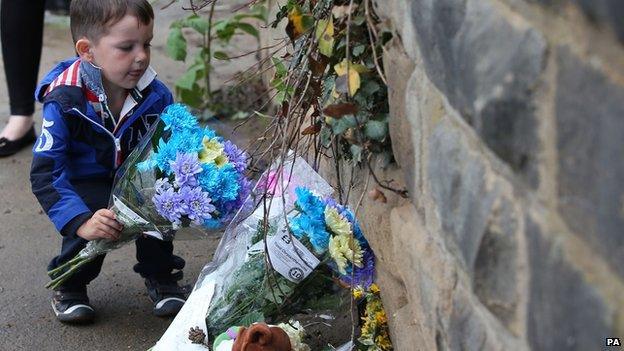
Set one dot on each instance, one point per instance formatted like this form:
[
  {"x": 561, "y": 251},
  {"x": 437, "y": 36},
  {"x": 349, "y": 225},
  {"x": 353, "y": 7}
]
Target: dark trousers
[
  {"x": 155, "y": 257},
  {"x": 21, "y": 31}
]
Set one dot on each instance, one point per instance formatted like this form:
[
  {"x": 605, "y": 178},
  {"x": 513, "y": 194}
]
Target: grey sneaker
[
  {"x": 168, "y": 297},
  {"x": 72, "y": 306}
]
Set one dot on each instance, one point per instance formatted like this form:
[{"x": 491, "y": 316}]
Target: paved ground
[{"x": 28, "y": 241}]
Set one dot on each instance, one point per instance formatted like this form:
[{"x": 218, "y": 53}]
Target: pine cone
[{"x": 197, "y": 336}]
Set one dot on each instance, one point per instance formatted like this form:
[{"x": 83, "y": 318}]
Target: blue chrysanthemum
[
  {"x": 165, "y": 152},
  {"x": 177, "y": 117},
  {"x": 186, "y": 141},
  {"x": 312, "y": 228},
  {"x": 220, "y": 182},
  {"x": 146, "y": 165},
  {"x": 308, "y": 203}
]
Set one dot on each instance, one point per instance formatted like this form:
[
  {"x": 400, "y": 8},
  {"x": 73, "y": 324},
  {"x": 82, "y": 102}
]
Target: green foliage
[
  {"x": 193, "y": 87},
  {"x": 346, "y": 80},
  {"x": 280, "y": 82}
]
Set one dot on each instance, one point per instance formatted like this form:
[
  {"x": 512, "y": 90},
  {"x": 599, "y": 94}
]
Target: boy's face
[{"x": 123, "y": 53}]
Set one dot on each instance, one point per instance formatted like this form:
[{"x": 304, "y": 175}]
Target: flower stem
[
  {"x": 58, "y": 281},
  {"x": 54, "y": 272}
]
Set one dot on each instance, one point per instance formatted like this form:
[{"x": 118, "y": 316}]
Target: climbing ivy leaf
[
  {"x": 298, "y": 22},
  {"x": 348, "y": 82},
  {"x": 376, "y": 130},
  {"x": 325, "y": 36}
]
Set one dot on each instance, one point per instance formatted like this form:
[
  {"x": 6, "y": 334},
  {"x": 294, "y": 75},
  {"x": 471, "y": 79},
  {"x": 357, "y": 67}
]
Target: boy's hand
[{"x": 102, "y": 225}]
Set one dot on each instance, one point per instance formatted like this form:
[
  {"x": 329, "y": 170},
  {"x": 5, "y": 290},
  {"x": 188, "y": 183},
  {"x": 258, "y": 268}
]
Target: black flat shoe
[{"x": 10, "y": 147}]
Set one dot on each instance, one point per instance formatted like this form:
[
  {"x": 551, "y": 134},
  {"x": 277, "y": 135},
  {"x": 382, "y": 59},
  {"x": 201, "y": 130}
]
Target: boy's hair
[{"x": 91, "y": 18}]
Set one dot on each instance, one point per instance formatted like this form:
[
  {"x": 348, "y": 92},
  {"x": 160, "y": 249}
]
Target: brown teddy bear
[{"x": 261, "y": 337}]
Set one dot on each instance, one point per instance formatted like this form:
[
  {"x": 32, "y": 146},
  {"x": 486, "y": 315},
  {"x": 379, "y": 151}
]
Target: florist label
[
  {"x": 290, "y": 257},
  {"x": 126, "y": 211}
]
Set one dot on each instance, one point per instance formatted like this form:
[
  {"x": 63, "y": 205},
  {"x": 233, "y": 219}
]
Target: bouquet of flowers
[
  {"x": 293, "y": 262},
  {"x": 182, "y": 180},
  {"x": 374, "y": 334}
]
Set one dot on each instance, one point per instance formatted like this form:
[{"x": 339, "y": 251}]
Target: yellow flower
[
  {"x": 383, "y": 342},
  {"x": 358, "y": 293},
  {"x": 212, "y": 152},
  {"x": 343, "y": 248},
  {"x": 374, "y": 288},
  {"x": 366, "y": 329},
  {"x": 380, "y": 318},
  {"x": 337, "y": 223}
]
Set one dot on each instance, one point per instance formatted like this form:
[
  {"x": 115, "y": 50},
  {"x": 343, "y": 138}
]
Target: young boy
[{"x": 96, "y": 108}]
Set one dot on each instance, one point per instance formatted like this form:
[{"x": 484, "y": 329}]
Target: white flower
[
  {"x": 295, "y": 333},
  {"x": 343, "y": 248},
  {"x": 336, "y": 222}
]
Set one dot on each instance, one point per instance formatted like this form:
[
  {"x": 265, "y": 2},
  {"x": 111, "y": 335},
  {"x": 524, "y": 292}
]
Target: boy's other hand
[{"x": 102, "y": 225}]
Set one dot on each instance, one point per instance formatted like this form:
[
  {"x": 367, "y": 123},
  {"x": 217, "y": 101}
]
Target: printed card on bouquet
[{"x": 289, "y": 257}]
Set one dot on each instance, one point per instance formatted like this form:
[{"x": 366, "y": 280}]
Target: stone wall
[
  {"x": 508, "y": 128},
  {"x": 507, "y": 124}
]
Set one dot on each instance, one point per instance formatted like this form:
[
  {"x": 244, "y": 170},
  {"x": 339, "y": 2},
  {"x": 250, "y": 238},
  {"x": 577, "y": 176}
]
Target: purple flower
[
  {"x": 236, "y": 156},
  {"x": 196, "y": 204},
  {"x": 185, "y": 167},
  {"x": 361, "y": 276},
  {"x": 169, "y": 205}
]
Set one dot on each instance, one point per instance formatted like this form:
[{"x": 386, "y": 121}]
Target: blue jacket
[{"x": 75, "y": 157}]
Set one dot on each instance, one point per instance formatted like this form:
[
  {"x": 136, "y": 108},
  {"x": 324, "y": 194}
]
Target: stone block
[
  {"x": 609, "y": 12},
  {"x": 428, "y": 272},
  {"x": 488, "y": 66},
  {"x": 590, "y": 143},
  {"x": 565, "y": 312},
  {"x": 398, "y": 66},
  {"x": 471, "y": 327},
  {"x": 499, "y": 278}
]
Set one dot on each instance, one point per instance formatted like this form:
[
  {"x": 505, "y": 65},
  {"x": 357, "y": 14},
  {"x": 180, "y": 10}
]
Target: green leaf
[
  {"x": 220, "y": 25},
  {"x": 225, "y": 31},
  {"x": 326, "y": 302},
  {"x": 370, "y": 87},
  {"x": 280, "y": 97},
  {"x": 248, "y": 28},
  {"x": 376, "y": 130},
  {"x": 239, "y": 115},
  {"x": 359, "y": 50},
  {"x": 356, "y": 153},
  {"x": 251, "y": 318},
  {"x": 220, "y": 55},
  {"x": 280, "y": 68},
  {"x": 176, "y": 44},
  {"x": 190, "y": 77},
  {"x": 358, "y": 20},
  {"x": 339, "y": 126},
  {"x": 193, "y": 97},
  {"x": 199, "y": 24}
]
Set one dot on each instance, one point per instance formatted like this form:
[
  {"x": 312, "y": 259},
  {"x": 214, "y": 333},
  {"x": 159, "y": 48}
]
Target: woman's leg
[{"x": 21, "y": 26}]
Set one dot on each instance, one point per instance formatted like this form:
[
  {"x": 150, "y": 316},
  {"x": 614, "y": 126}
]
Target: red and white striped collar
[{"x": 71, "y": 77}]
